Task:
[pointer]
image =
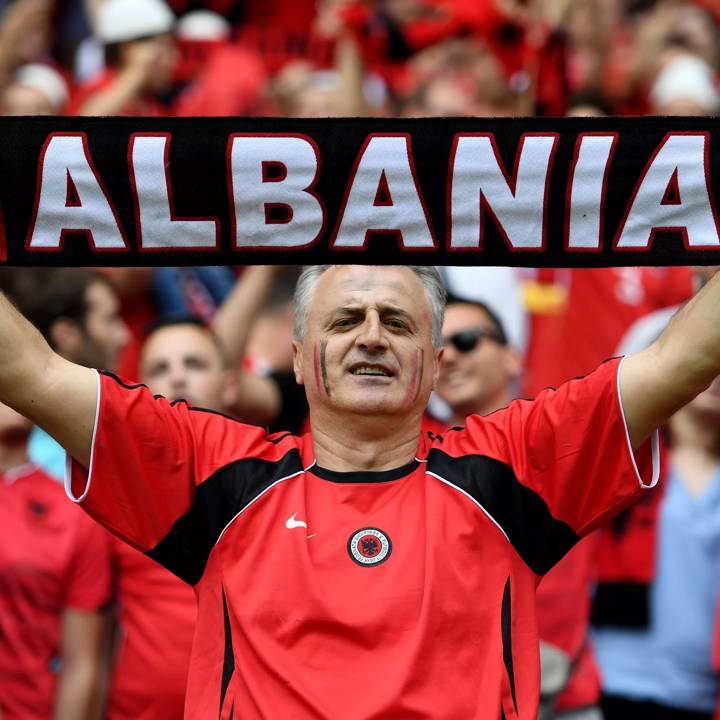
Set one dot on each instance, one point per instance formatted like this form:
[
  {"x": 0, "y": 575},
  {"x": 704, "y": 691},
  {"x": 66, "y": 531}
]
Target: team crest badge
[{"x": 369, "y": 546}]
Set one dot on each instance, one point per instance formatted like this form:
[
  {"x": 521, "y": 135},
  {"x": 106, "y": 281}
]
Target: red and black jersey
[{"x": 402, "y": 593}]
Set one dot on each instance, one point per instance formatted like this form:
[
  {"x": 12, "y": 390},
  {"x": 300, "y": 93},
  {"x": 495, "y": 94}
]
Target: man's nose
[
  {"x": 178, "y": 379},
  {"x": 372, "y": 333}
]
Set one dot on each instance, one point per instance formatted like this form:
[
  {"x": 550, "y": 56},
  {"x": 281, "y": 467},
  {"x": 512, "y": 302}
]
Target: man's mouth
[{"x": 370, "y": 370}]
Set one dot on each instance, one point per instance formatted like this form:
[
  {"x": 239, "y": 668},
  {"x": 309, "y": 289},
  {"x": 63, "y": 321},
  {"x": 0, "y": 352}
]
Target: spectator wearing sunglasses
[{"x": 479, "y": 366}]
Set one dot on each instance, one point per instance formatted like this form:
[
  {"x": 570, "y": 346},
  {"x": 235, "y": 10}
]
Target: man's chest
[{"x": 362, "y": 557}]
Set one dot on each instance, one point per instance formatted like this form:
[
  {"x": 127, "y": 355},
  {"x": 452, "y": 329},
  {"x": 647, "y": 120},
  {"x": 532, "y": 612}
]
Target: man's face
[
  {"x": 105, "y": 333},
  {"x": 479, "y": 377},
  {"x": 181, "y": 362},
  {"x": 368, "y": 347}
]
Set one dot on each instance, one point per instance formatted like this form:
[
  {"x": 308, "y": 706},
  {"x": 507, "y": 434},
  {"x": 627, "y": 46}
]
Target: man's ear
[
  {"x": 298, "y": 362},
  {"x": 66, "y": 337}
]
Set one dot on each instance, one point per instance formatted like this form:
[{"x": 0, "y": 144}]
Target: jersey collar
[{"x": 364, "y": 476}]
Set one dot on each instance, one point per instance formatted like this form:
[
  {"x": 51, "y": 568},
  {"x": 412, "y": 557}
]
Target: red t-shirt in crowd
[
  {"x": 407, "y": 592},
  {"x": 157, "y": 614},
  {"x": 53, "y": 558},
  {"x": 578, "y": 317}
]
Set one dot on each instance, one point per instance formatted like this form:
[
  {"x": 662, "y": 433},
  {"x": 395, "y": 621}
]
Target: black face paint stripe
[
  {"x": 506, "y": 622},
  {"x": 229, "y": 659},
  {"x": 323, "y": 367}
]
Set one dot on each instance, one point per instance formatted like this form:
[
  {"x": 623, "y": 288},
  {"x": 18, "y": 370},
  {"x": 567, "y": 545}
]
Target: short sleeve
[
  {"x": 87, "y": 584},
  {"x": 568, "y": 451},
  {"x": 148, "y": 458}
]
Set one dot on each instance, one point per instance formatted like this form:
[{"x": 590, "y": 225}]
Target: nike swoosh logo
[{"x": 291, "y": 522}]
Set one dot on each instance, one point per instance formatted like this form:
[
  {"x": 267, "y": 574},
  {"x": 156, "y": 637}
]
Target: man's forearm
[
  {"x": 235, "y": 317},
  {"x": 54, "y": 393},
  {"x": 678, "y": 366},
  {"x": 76, "y": 692}
]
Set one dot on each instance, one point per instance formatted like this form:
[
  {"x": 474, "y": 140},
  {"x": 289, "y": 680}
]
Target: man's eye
[
  {"x": 396, "y": 324},
  {"x": 344, "y": 322}
]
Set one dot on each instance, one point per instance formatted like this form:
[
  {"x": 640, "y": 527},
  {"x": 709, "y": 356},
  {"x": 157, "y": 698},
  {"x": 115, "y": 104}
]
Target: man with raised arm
[{"x": 363, "y": 570}]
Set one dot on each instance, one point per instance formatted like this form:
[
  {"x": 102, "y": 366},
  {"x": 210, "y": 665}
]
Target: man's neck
[{"x": 368, "y": 443}]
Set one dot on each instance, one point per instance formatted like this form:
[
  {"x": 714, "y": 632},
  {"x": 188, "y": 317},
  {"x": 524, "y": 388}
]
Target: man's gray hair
[{"x": 428, "y": 276}]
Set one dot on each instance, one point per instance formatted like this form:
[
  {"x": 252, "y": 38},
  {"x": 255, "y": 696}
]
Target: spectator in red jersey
[
  {"x": 181, "y": 359},
  {"x": 54, "y": 580},
  {"x": 140, "y": 56}
]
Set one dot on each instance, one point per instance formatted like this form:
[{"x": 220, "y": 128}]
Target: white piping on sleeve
[
  {"x": 68, "y": 459},
  {"x": 654, "y": 442}
]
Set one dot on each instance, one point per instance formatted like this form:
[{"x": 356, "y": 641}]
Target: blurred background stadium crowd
[{"x": 90, "y": 628}]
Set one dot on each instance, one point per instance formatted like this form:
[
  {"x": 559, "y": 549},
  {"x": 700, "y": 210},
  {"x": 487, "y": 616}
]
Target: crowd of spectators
[
  {"x": 346, "y": 57},
  {"x": 221, "y": 337}
]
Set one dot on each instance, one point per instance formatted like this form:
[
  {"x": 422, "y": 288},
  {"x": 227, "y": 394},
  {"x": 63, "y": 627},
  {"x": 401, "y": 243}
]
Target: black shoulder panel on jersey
[
  {"x": 539, "y": 538},
  {"x": 185, "y": 549}
]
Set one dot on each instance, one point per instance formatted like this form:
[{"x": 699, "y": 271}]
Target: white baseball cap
[
  {"x": 686, "y": 77},
  {"x": 203, "y": 25},
  {"x": 125, "y": 20},
  {"x": 46, "y": 80}
]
